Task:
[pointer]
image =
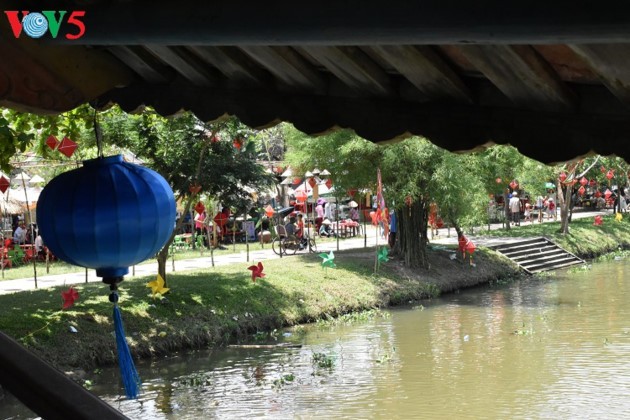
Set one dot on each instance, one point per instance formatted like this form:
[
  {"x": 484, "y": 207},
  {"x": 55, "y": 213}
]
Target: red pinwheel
[
  {"x": 67, "y": 147},
  {"x": 52, "y": 142},
  {"x": 269, "y": 211},
  {"x": 257, "y": 271},
  {"x": 69, "y": 296},
  {"x": 4, "y": 184},
  {"x": 598, "y": 221}
]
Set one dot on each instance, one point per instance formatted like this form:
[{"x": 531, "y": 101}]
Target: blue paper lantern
[{"x": 106, "y": 215}]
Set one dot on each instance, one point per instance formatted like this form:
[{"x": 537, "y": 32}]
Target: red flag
[{"x": 380, "y": 201}]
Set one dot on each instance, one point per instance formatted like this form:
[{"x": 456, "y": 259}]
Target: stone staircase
[{"x": 537, "y": 254}]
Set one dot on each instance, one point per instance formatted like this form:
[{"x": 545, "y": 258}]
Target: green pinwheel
[
  {"x": 382, "y": 255},
  {"x": 328, "y": 260}
]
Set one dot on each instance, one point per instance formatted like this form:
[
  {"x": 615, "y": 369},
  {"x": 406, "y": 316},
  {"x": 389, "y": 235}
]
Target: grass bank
[{"x": 218, "y": 305}]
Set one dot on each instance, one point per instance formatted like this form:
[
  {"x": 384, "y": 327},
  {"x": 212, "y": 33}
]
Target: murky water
[{"x": 557, "y": 348}]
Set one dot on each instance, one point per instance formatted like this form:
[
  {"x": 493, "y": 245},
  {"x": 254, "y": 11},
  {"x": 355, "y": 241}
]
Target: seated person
[
  {"x": 19, "y": 236},
  {"x": 326, "y": 229},
  {"x": 299, "y": 231},
  {"x": 290, "y": 227}
]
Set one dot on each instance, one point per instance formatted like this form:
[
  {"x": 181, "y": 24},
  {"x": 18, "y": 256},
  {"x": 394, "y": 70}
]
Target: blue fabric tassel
[{"x": 128, "y": 372}]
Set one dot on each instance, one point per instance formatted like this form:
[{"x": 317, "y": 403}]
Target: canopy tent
[
  {"x": 323, "y": 190},
  {"x": 10, "y": 205}
]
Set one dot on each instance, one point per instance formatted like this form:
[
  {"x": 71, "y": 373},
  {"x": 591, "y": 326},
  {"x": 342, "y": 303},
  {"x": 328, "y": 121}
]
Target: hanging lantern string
[{"x": 98, "y": 134}]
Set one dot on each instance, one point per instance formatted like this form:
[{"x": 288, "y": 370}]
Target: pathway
[{"x": 11, "y": 286}]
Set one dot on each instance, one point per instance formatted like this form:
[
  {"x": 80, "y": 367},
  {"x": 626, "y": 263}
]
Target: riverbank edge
[{"x": 394, "y": 285}]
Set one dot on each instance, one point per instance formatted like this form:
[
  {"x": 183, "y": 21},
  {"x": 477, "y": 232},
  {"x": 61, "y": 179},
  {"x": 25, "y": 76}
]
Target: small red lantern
[
  {"x": 238, "y": 143},
  {"x": 194, "y": 188},
  {"x": 602, "y": 169},
  {"x": 610, "y": 174},
  {"x": 582, "y": 190},
  {"x": 598, "y": 194},
  {"x": 67, "y": 147},
  {"x": 351, "y": 193},
  {"x": 52, "y": 142},
  {"x": 607, "y": 193},
  {"x": 199, "y": 207},
  {"x": 583, "y": 181},
  {"x": 329, "y": 183},
  {"x": 562, "y": 177},
  {"x": 4, "y": 184},
  {"x": 593, "y": 183},
  {"x": 498, "y": 180},
  {"x": 214, "y": 139},
  {"x": 514, "y": 184},
  {"x": 301, "y": 196},
  {"x": 269, "y": 211},
  {"x": 312, "y": 182}
]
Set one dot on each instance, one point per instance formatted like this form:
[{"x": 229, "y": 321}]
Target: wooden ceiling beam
[
  {"x": 522, "y": 75},
  {"x": 354, "y": 68},
  {"x": 610, "y": 62},
  {"x": 183, "y": 62},
  {"x": 233, "y": 64},
  {"x": 433, "y": 78},
  {"x": 351, "y": 22},
  {"x": 288, "y": 66},
  {"x": 143, "y": 63}
]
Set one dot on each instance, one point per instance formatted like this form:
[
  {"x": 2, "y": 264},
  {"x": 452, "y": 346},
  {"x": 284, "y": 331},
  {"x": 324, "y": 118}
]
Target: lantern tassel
[{"x": 128, "y": 372}]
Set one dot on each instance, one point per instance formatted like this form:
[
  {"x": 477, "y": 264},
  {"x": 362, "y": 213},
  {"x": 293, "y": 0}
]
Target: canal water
[{"x": 552, "y": 348}]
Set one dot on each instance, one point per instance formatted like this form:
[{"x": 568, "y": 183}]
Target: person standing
[
  {"x": 539, "y": 206},
  {"x": 515, "y": 208},
  {"x": 320, "y": 213},
  {"x": 392, "y": 229},
  {"x": 19, "y": 236}
]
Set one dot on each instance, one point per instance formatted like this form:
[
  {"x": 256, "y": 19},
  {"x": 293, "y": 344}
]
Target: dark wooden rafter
[
  {"x": 522, "y": 75},
  {"x": 288, "y": 66},
  {"x": 610, "y": 63},
  {"x": 353, "y": 67},
  {"x": 184, "y": 63},
  {"x": 143, "y": 63},
  {"x": 233, "y": 64},
  {"x": 426, "y": 71}
]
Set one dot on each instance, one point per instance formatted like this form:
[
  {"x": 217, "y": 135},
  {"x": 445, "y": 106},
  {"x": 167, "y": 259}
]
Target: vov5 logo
[{"x": 37, "y": 24}]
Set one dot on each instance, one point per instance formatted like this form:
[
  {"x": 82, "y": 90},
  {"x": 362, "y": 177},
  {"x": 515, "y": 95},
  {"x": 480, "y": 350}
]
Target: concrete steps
[{"x": 537, "y": 254}]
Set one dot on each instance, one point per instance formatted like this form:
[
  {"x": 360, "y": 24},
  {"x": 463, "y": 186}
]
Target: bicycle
[{"x": 290, "y": 244}]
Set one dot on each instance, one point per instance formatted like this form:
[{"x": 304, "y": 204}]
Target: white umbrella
[{"x": 37, "y": 180}]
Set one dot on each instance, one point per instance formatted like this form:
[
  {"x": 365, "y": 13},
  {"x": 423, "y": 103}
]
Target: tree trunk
[
  {"x": 412, "y": 236},
  {"x": 564, "y": 199}
]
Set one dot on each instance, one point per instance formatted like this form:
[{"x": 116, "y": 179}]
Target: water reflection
[{"x": 553, "y": 348}]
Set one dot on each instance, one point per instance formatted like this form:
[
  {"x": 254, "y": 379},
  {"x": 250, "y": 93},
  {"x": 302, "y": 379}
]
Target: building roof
[{"x": 552, "y": 78}]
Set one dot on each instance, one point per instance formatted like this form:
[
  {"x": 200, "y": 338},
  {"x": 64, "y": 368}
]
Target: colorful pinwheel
[
  {"x": 257, "y": 271},
  {"x": 618, "y": 217},
  {"x": 328, "y": 260},
  {"x": 382, "y": 255},
  {"x": 69, "y": 296},
  {"x": 598, "y": 221},
  {"x": 157, "y": 286}
]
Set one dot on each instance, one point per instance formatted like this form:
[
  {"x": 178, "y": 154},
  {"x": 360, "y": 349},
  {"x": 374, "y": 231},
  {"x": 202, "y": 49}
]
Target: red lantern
[
  {"x": 194, "y": 188},
  {"x": 598, "y": 194},
  {"x": 269, "y": 211},
  {"x": 514, "y": 184},
  {"x": 607, "y": 193},
  {"x": 199, "y": 207},
  {"x": 562, "y": 177},
  {"x": 351, "y": 193},
  {"x": 4, "y": 184},
  {"x": 583, "y": 181},
  {"x": 610, "y": 174},
  {"x": 67, "y": 146},
  {"x": 602, "y": 169},
  {"x": 214, "y": 139},
  {"x": 301, "y": 197},
  {"x": 52, "y": 142},
  {"x": 238, "y": 143},
  {"x": 582, "y": 190},
  {"x": 498, "y": 180},
  {"x": 329, "y": 183},
  {"x": 593, "y": 183},
  {"x": 221, "y": 219},
  {"x": 312, "y": 182}
]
